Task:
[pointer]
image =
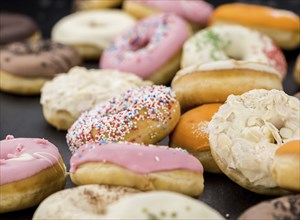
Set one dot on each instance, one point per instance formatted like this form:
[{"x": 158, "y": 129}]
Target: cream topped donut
[
  {"x": 142, "y": 167},
  {"x": 151, "y": 49},
  {"x": 232, "y": 42},
  {"x": 144, "y": 115},
  {"x": 214, "y": 81},
  {"x": 67, "y": 95},
  {"x": 27, "y": 161},
  {"x": 90, "y": 32},
  {"x": 247, "y": 130},
  {"x": 197, "y": 12}
]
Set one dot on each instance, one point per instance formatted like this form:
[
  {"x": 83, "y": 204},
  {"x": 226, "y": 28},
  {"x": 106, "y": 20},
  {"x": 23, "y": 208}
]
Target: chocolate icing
[
  {"x": 16, "y": 27},
  {"x": 283, "y": 208},
  {"x": 38, "y": 59}
]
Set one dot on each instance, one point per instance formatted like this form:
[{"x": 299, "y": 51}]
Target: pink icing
[
  {"x": 137, "y": 158},
  {"x": 146, "y": 47},
  {"x": 43, "y": 152},
  {"x": 196, "y": 11}
]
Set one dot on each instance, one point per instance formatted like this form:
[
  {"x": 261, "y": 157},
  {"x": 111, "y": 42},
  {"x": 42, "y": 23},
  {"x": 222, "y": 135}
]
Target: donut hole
[
  {"x": 138, "y": 43},
  {"x": 96, "y": 24}
]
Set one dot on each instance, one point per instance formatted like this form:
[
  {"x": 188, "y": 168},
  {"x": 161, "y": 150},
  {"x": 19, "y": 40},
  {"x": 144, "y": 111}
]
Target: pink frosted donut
[
  {"x": 151, "y": 49},
  {"x": 24, "y": 162},
  {"x": 197, "y": 12},
  {"x": 134, "y": 165}
]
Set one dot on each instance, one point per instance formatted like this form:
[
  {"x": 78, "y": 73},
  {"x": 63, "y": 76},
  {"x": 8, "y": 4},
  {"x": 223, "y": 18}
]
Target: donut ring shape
[
  {"x": 145, "y": 115},
  {"x": 245, "y": 133},
  {"x": 232, "y": 41}
]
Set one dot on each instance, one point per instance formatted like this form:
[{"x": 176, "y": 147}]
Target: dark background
[{"x": 22, "y": 116}]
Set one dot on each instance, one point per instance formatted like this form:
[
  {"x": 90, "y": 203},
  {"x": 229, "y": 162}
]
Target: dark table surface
[{"x": 22, "y": 116}]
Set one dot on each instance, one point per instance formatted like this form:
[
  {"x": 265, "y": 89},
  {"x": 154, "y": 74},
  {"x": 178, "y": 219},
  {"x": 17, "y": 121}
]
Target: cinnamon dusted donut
[
  {"x": 281, "y": 25},
  {"x": 286, "y": 207},
  {"x": 286, "y": 166},
  {"x": 247, "y": 130},
  {"x": 191, "y": 133},
  {"x": 30, "y": 170},
  {"x": 95, "y": 4},
  {"x": 26, "y": 66},
  {"x": 214, "y": 81},
  {"x": 138, "y": 166},
  {"x": 91, "y": 202},
  {"x": 17, "y": 27},
  {"x": 67, "y": 95},
  {"x": 144, "y": 115}
]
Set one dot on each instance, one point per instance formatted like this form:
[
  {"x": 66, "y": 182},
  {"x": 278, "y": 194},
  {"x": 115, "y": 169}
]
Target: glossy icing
[
  {"x": 135, "y": 157},
  {"x": 21, "y": 158},
  {"x": 148, "y": 46}
]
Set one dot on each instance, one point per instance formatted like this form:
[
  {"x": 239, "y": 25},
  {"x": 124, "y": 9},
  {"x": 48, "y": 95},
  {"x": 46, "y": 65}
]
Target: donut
[
  {"x": 17, "y": 27},
  {"x": 138, "y": 166},
  {"x": 214, "y": 81},
  {"x": 26, "y": 66},
  {"x": 160, "y": 205},
  {"x": 281, "y": 25},
  {"x": 151, "y": 49},
  {"x": 232, "y": 42},
  {"x": 144, "y": 115},
  {"x": 91, "y": 202},
  {"x": 95, "y": 4},
  {"x": 196, "y": 12},
  {"x": 286, "y": 166},
  {"x": 69, "y": 94},
  {"x": 30, "y": 170},
  {"x": 90, "y": 32},
  {"x": 297, "y": 70},
  {"x": 247, "y": 130},
  {"x": 191, "y": 134},
  {"x": 285, "y": 207}
]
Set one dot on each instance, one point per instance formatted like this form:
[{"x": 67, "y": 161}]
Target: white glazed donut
[
  {"x": 91, "y": 31},
  {"x": 67, "y": 95},
  {"x": 232, "y": 42},
  {"x": 247, "y": 130}
]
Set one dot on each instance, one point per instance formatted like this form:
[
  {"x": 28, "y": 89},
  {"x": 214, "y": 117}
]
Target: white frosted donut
[
  {"x": 67, "y": 95},
  {"x": 245, "y": 133},
  {"x": 232, "y": 42},
  {"x": 91, "y": 31}
]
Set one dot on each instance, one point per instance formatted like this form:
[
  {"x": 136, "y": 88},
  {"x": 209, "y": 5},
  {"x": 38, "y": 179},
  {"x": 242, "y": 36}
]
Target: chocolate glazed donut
[{"x": 16, "y": 27}]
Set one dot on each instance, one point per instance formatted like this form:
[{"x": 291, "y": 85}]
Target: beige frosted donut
[
  {"x": 245, "y": 133},
  {"x": 83, "y": 202},
  {"x": 67, "y": 95}
]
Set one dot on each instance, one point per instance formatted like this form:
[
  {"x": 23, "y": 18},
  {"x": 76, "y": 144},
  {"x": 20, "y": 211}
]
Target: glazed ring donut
[
  {"x": 286, "y": 166},
  {"x": 191, "y": 134},
  {"x": 90, "y": 32},
  {"x": 247, "y": 130},
  {"x": 281, "y": 25},
  {"x": 151, "y": 49},
  {"x": 232, "y": 42},
  {"x": 17, "y": 27},
  {"x": 31, "y": 169},
  {"x": 95, "y": 4},
  {"x": 93, "y": 202},
  {"x": 138, "y": 166},
  {"x": 297, "y": 70},
  {"x": 67, "y": 95},
  {"x": 145, "y": 115},
  {"x": 196, "y": 12},
  {"x": 215, "y": 81},
  {"x": 26, "y": 66}
]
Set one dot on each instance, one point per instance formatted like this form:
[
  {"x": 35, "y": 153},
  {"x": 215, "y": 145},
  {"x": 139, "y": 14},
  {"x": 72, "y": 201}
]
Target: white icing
[
  {"x": 95, "y": 28},
  {"x": 246, "y": 131},
  {"x": 81, "y": 89}
]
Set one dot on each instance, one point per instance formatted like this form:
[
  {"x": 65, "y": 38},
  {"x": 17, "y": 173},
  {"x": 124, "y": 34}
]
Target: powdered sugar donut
[
  {"x": 145, "y": 115},
  {"x": 232, "y": 42},
  {"x": 151, "y": 49}
]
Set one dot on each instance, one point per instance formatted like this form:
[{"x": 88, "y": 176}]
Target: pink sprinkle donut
[
  {"x": 24, "y": 161},
  {"x": 151, "y": 49},
  {"x": 197, "y": 12},
  {"x": 144, "y": 115}
]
